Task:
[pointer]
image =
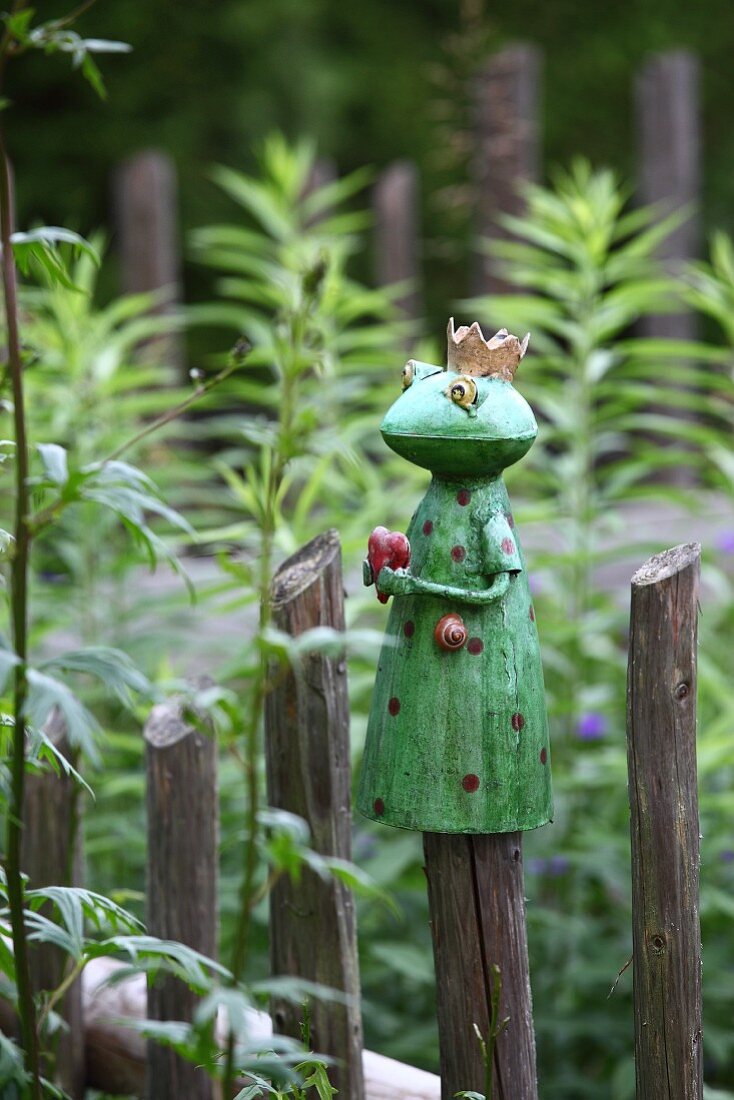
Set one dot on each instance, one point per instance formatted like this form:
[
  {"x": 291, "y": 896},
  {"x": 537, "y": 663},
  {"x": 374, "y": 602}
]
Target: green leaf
[
  {"x": 112, "y": 667},
  {"x": 149, "y": 955},
  {"x": 45, "y": 693},
  {"x": 54, "y": 461},
  {"x": 73, "y": 905},
  {"x": 19, "y": 22},
  {"x": 93, "y": 75},
  {"x": 105, "y": 45},
  {"x": 317, "y": 1078},
  {"x": 40, "y": 246},
  {"x": 12, "y": 1072},
  {"x": 54, "y": 235},
  {"x": 41, "y": 748},
  {"x": 8, "y": 661}
]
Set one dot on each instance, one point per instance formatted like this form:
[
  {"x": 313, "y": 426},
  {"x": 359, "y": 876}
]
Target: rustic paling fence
[
  {"x": 313, "y": 933},
  {"x": 507, "y": 152},
  {"x": 308, "y": 721}
]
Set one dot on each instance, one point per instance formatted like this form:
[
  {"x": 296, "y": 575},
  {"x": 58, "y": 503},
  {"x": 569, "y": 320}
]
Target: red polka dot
[
  {"x": 518, "y": 721},
  {"x": 510, "y": 519},
  {"x": 543, "y": 755},
  {"x": 508, "y": 546},
  {"x": 394, "y": 706},
  {"x": 428, "y": 527},
  {"x": 409, "y": 629},
  {"x": 532, "y": 613},
  {"x": 475, "y": 645},
  {"x": 458, "y": 553},
  {"x": 470, "y": 783},
  {"x": 463, "y": 497},
  {"x": 379, "y": 807}
]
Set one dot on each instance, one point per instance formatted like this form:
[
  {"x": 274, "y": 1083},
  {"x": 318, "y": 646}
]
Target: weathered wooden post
[
  {"x": 397, "y": 237},
  {"x": 181, "y": 766},
  {"x": 507, "y": 146},
  {"x": 661, "y": 748},
  {"x": 669, "y": 156},
  {"x": 457, "y": 741},
  {"x": 312, "y": 922},
  {"x": 146, "y": 213},
  {"x": 51, "y": 856}
]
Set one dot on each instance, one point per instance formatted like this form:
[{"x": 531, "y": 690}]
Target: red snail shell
[{"x": 450, "y": 632}]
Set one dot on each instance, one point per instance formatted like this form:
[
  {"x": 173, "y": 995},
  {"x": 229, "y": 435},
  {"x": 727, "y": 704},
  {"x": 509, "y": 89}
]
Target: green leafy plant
[
  {"x": 631, "y": 429},
  {"x": 316, "y": 336},
  {"x": 64, "y": 481},
  {"x": 487, "y": 1044},
  {"x": 628, "y": 424}
]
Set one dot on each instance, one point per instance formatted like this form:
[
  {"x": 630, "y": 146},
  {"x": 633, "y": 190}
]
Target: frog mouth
[{"x": 462, "y": 438}]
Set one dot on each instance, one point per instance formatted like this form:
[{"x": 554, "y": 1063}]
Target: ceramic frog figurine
[{"x": 457, "y": 740}]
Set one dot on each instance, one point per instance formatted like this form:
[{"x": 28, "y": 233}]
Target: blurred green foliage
[
  {"x": 585, "y": 271},
  {"x": 207, "y": 81}
]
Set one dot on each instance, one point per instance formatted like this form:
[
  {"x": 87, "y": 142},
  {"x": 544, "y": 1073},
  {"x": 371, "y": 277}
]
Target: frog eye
[
  {"x": 463, "y": 392},
  {"x": 408, "y": 374}
]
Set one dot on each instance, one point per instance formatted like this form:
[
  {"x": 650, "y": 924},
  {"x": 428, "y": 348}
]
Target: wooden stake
[
  {"x": 52, "y": 856},
  {"x": 397, "y": 237},
  {"x": 146, "y": 209},
  {"x": 312, "y": 922},
  {"x": 181, "y": 764},
  {"x": 669, "y": 154},
  {"x": 507, "y": 145},
  {"x": 477, "y": 902},
  {"x": 661, "y": 746}
]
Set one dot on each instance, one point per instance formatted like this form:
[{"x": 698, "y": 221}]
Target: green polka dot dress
[{"x": 457, "y": 740}]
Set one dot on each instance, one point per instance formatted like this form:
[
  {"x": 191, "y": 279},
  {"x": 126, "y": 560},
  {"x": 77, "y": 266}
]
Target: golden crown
[{"x": 470, "y": 353}]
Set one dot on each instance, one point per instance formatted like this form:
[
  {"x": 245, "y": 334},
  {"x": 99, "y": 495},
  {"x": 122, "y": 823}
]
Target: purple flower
[
  {"x": 555, "y": 866},
  {"x": 535, "y": 583},
  {"x": 558, "y": 865},
  {"x": 725, "y": 541},
  {"x": 727, "y": 856},
  {"x": 591, "y": 726}
]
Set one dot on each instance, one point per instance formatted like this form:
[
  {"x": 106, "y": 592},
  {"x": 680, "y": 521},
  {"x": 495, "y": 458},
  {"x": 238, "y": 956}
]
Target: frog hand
[{"x": 395, "y": 582}]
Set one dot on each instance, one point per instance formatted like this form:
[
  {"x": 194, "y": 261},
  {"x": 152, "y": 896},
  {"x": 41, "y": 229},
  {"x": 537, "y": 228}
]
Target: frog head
[{"x": 468, "y": 419}]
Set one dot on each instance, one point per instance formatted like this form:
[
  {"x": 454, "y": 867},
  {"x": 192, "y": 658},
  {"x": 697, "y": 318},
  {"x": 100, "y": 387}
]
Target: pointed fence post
[
  {"x": 52, "y": 856},
  {"x": 397, "y": 236},
  {"x": 507, "y": 146},
  {"x": 661, "y": 751},
  {"x": 312, "y": 922},
  {"x": 181, "y": 767}
]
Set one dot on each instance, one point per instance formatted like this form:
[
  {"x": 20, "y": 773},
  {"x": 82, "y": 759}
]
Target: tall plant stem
[
  {"x": 19, "y": 613},
  {"x": 276, "y": 472}
]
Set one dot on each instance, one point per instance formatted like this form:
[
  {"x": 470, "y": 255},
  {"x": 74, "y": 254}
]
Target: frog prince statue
[{"x": 457, "y": 740}]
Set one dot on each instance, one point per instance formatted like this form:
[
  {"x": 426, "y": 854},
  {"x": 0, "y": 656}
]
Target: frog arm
[{"x": 399, "y": 582}]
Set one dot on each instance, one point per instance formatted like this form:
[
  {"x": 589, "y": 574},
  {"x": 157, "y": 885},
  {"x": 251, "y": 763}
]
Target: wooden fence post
[
  {"x": 477, "y": 902},
  {"x": 669, "y": 153},
  {"x": 312, "y": 922},
  {"x": 397, "y": 237},
  {"x": 661, "y": 747},
  {"x": 181, "y": 768},
  {"x": 51, "y": 856},
  {"x": 146, "y": 213},
  {"x": 507, "y": 146}
]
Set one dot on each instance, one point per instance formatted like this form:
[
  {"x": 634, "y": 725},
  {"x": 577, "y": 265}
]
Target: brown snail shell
[{"x": 450, "y": 632}]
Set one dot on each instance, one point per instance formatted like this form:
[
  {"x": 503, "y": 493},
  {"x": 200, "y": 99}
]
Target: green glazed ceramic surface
[{"x": 457, "y": 739}]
